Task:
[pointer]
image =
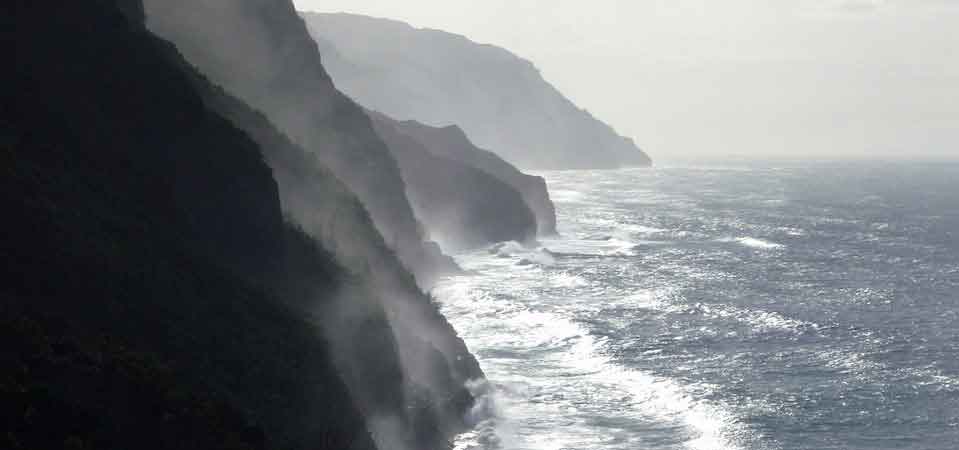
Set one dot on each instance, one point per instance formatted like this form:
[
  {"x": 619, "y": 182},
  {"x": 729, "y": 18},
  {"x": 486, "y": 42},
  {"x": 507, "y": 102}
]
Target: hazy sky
[{"x": 711, "y": 79}]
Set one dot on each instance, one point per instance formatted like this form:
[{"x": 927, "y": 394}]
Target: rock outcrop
[
  {"x": 312, "y": 136},
  {"x": 181, "y": 274},
  {"x": 261, "y": 52},
  {"x": 147, "y": 293},
  {"x": 461, "y": 206},
  {"x": 451, "y": 142},
  {"x": 418, "y": 399}
]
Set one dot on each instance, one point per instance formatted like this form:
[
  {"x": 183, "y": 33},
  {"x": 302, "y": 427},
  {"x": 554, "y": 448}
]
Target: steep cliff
[
  {"x": 461, "y": 206},
  {"x": 500, "y": 100},
  {"x": 451, "y": 142},
  {"x": 148, "y": 276},
  {"x": 261, "y": 52},
  {"x": 415, "y": 402}
]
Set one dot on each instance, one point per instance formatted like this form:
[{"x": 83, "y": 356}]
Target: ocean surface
[{"x": 800, "y": 306}]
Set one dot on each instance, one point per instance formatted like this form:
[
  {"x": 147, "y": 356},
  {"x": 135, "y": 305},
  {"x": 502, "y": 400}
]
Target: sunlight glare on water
[{"x": 690, "y": 308}]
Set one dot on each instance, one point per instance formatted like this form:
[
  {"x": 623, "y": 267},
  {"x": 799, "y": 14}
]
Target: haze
[{"x": 735, "y": 79}]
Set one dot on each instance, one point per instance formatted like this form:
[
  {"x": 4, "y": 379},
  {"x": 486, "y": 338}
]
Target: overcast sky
[{"x": 732, "y": 78}]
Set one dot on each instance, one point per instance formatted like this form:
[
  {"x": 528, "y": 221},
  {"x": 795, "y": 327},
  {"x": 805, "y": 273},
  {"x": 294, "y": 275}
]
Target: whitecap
[
  {"x": 643, "y": 229},
  {"x": 657, "y": 397},
  {"x": 754, "y": 243},
  {"x": 566, "y": 195},
  {"x": 543, "y": 257},
  {"x": 666, "y": 301},
  {"x": 565, "y": 280},
  {"x": 580, "y": 373},
  {"x": 507, "y": 248}
]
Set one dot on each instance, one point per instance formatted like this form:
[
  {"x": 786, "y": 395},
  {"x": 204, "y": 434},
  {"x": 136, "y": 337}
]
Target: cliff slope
[
  {"x": 461, "y": 206},
  {"x": 146, "y": 296},
  {"x": 451, "y": 142},
  {"x": 416, "y": 398},
  {"x": 261, "y": 52},
  {"x": 500, "y": 100}
]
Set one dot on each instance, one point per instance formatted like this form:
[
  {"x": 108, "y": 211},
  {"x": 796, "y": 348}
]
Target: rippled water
[{"x": 800, "y": 307}]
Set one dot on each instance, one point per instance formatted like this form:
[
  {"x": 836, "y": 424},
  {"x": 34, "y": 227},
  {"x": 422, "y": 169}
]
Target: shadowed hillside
[
  {"x": 261, "y": 52},
  {"x": 461, "y": 206},
  {"x": 149, "y": 278},
  {"x": 419, "y": 398},
  {"x": 451, "y": 142}
]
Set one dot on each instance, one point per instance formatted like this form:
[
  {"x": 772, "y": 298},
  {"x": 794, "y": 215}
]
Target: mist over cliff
[
  {"x": 260, "y": 51},
  {"x": 462, "y": 206},
  {"x": 391, "y": 347},
  {"x": 183, "y": 271},
  {"x": 500, "y": 100},
  {"x": 210, "y": 246},
  {"x": 313, "y": 136},
  {"x": 452, "y": 143},
  {"x": 153, "y": 295}
]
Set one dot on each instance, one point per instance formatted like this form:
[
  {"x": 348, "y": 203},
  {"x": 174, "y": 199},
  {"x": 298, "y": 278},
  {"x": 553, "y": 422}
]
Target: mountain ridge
[
  {"x": 440, "y": 78},
  {"x": 451, "y": 142},
  {"x": 152, "y": 290},
  {"x": 462, "y": 206},
  {"x": 261, "y": 53}
]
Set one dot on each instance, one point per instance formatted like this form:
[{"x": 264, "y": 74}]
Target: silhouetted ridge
[
  {"x": 261, "y": 52},
  {"x": 461, "y": 206},
  {"x": 306, "y": 189},
  {"x": 148, "y": 274},
  {"x": 316, "y": 200},
  {"x": 451, "y": 142},
  {"x": 500, "y": 100}
]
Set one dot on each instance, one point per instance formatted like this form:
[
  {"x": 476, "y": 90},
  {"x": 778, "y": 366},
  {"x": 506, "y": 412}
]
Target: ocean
[{"x": 756, "y": 306}]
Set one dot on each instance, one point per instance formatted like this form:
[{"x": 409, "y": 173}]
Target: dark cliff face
[
  {"x": 501, "y": 101},
  {"x": 260, "y": 51},
  {"x": 451, "y": 142},
  {"x": 419, "y": 392},
  {"x": 354, "y": 321},
  {"x": 461, "y": 206},
  {"x": 149, "y": 276}
]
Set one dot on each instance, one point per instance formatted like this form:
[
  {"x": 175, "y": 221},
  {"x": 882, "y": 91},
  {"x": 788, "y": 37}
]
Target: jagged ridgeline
[
  {"x": 261, "y": 52},
  {"x": 452, "y": 143},
  {"x": 463, "y": 207},
  {"x": 146, "y": 278},
  {"x": 154, "y": 295},
  {"x": 434, "y": 362},
  {"x": 437, "y": 78}
]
